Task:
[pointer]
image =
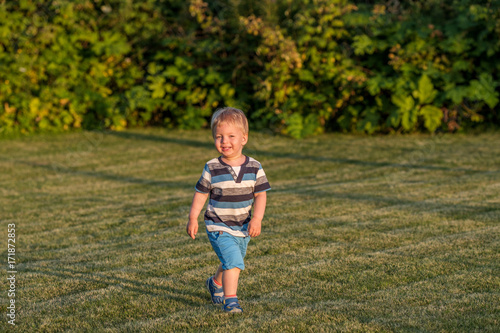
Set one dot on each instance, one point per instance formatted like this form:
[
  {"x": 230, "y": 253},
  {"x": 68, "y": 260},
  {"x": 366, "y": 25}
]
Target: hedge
[{"x": 296, "y": 67}]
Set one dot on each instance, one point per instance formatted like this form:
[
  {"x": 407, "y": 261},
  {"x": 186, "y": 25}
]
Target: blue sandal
[
  {"x": 232, "y": 307},
  {"x": 216, "y": 293}
]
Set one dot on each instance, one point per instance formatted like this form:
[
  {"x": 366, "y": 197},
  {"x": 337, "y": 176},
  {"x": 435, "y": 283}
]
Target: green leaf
[
  {"x": 426, "y": 92},
  {"x": 407, "y": 111},
  {"x": 405, "y": 103},
  {"x": 44, "y": 123},
  {"x": 182, "y": 95},
  {"x": 182, "y": 62},
  {"x": 66, "y": 118},
  {"x": 457, "y": 94},
  {"x": 409, "y": 119},
  {"x": 311, "y": 125},
  {"x": 153, "y": 68},
  {"x": 349, "y": 118},
  {"x": 213, "y": 77},
  {"x": 432, "y": 117},
  {"x": 295, "y": 126},
  {"x": 111, "y": 43},
  {"x": 363, "y": 45},
  {"x": 484, "y": 89},
  {"x": 226, "y": 91},
  {"x": 394, "y": 118},
  {"x": 157, "y": 85},
  {"x": 172, "y": 71},
  {"x": 369, "y": 121},
  {"x": 462, "y": 65},
  {"x": 34, "y": 106},
  {"x": 374, "y": 84},
  {"x": 306, "y": 76}
]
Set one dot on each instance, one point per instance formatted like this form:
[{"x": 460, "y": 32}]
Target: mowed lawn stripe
[{"x": 396, "y": 233}]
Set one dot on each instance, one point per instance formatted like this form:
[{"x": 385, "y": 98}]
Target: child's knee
[{"x": 234, "y": 269}]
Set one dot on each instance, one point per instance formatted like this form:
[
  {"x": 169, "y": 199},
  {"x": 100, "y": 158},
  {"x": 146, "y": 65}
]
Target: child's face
[{"x": 229, "y": 141}]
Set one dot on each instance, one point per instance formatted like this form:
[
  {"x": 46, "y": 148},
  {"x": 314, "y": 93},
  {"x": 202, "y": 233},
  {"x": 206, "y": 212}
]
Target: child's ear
[{"x": 245, "y": 139}]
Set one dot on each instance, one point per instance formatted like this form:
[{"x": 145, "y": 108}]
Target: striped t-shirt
[{"x": 231, "y": 194}]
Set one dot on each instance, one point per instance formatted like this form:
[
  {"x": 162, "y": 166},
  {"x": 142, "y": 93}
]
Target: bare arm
[
  {"x": 196, "y": 207},
  {"x": 259, "y": 208}
]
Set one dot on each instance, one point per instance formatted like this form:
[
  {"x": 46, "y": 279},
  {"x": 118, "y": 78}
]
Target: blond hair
[{"x": 230, "y": 116}]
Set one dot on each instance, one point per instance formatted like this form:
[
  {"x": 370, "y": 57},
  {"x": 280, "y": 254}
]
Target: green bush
[
  {"x": 306, "y": 78},
  {"x": 431, "y": 65},
  {"x": 298, "y": 67}
]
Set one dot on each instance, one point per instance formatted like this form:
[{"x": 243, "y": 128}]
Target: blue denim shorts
[{"x": 230, "y": 249}]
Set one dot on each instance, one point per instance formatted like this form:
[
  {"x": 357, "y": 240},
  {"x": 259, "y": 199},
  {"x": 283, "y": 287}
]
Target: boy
[{"x": 233, "y": 181}]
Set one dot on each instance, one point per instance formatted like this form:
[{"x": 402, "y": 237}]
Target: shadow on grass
[
  {"x": 106, "y": 176},
  {"x": 208, "y": 145},
  {"x": 258, "y": 153},
  {"x": 448, "y": 210},
  {"x": 164, "y": 139},
  {"x": 177, "y": 294}
]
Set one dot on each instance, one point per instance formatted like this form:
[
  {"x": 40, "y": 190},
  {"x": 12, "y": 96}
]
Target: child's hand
[
  {"x": 192, "y": 228},
  {"x": 254, "y": 227}
]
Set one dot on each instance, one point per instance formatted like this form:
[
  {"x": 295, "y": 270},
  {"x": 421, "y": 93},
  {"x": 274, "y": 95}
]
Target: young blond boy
[{"x": 233, "y": 182}]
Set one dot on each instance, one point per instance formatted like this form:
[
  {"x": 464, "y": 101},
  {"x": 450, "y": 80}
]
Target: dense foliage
[{"x": 295, "y": 66}]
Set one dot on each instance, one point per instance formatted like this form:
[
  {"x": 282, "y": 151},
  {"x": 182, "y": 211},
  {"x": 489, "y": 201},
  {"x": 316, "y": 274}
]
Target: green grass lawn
[{"x": 389, "y": 234}]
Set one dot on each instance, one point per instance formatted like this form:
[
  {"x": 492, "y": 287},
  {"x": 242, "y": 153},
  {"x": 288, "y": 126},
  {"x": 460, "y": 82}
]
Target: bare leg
[
  {"x": 218, "y": 274},
  {"x": 230, "y": 281}
]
